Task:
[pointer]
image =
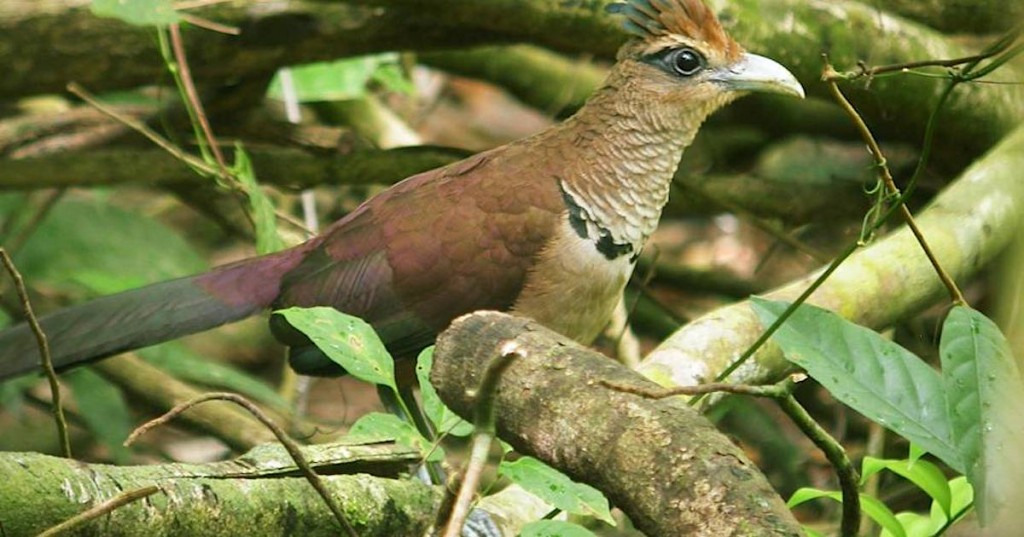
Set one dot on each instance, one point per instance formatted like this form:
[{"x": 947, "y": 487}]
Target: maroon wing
[{"x": 433, "y": 247}]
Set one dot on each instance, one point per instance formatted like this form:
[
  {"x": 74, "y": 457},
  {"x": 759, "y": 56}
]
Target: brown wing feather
[{"x": 433, "y": 247}]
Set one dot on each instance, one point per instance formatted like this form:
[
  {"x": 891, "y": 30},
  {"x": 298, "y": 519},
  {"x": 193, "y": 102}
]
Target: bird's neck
[{"x": 624, "y": 150}]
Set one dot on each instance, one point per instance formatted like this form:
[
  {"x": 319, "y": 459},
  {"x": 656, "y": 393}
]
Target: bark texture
[{"x": 664, "y": 465}]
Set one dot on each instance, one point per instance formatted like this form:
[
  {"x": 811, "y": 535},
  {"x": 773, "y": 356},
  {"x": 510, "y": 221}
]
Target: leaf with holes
[
  {"x": 348, "y": 341},
  {"x": 985, "y": 402},
  {"x": 867, "y": 372},
  {"x": 556, "y": 488}
]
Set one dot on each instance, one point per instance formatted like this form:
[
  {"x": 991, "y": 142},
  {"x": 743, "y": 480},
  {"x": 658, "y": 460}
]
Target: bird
[{"x": 548, "y": 227}]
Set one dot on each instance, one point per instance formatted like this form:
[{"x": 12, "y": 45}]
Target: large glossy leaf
[
  {"x": 338, "y": 80},
  {"x": 867, "y": 372},
  {"x": 985, "y": 403},
  {"x": 348, "y": 341},
  {"x": 556, "y": 489},
  {"x": 444, "y": 420}
]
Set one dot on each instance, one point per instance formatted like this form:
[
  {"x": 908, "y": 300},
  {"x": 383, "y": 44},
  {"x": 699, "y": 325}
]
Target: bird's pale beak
[{"x": 757, "y": 73}]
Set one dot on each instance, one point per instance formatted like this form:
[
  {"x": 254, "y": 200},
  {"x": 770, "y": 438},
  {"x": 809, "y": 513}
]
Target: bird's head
[{"x": 680, "y": 58}]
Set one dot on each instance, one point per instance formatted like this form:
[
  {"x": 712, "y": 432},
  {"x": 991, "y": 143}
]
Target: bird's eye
[{"x": 686, "y": 61}]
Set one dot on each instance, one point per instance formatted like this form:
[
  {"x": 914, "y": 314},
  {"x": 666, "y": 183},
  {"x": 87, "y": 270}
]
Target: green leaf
[
  {"x": 984, "y": 401},
  {"x": 348, "y": 341},
  {"x": 137, "y": 12},
  {"x": 380, "y": 427},
  {"x": 103, "y": 409},
  {"x": 915, "y": 452},
  {"x": 12, "y": 392},
  {"x": 446, "y": 421},
  {"x": 922, "y": 473},
  {"x": 554, "y": 528},
  {"x": 556, "y": 489},
  {"x": 916, "y": 525},
  {"x": 329, "y": 81},
  {"x": 264, "y": 218},
  {"x": 874, "y": 508},
  {"x": 392, "y": 77},
  {"x": 867, "y": 372},
  {"x": 806, "y": 494},
  {"x": 87, "y": 247},
  {"x": 963, "y": 494},
  {"x": 181, "y": 362}
]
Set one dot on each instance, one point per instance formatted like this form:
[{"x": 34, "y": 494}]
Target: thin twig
[
  {"x": 836, "y": 455},
  {"x": 44, "y": 353},
  {"x": 183, "y": 73},
  {"x": 923, "y": 159},
  {"x": 483, "y": 400},
  {"x": 208, "y": 24},
  {"x": 968, "y": 62},
  {"x": 97, "y": 511},
  {"x": 700, "y": 389},
  {"x": 890, "y": 184},
  {"x": 866, "y": 71},
  {"x": 286, "y": 441},
  {"x": 195, "y": 163},
  {"x": 192, "y": 98}
]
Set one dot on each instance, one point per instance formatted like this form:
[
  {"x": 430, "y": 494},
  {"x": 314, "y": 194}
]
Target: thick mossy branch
[
  {"x": 104, "y": 54},
  {"x": 967, "y": 225},
  {"x": 256, "y": 494},
  {"x": 667, "y": 467},
  {"x": 280, "y": 166},
  {"x": 980, "y": 16},
  {"x": 545, "y": 80}
]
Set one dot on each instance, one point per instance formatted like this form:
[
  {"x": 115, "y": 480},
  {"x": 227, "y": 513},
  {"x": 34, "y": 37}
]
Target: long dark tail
[{"x": 148, "y": 315}]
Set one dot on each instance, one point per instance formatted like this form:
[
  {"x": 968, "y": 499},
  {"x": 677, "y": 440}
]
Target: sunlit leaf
[
  {"x": 871, "y": 506},
  {"x": 556, "y": 489},
  {"x": 916, "y": 525},
  {"x": 922, "y": 473},
  {"x": 962, "y": 494},
  {"x": 348, "y": 341},
  {"x": 137, "y": 12},
  {"x": 336, "y": 80},
  {"x": 446, "y": 421},
  {"x": 867, "y": 372}
]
